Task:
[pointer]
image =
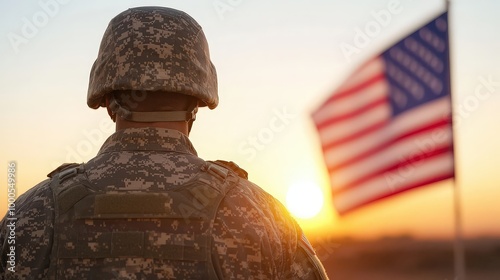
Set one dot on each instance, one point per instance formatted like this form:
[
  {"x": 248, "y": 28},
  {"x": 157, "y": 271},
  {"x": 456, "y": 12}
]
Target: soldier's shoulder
[
  {"x": 63, "y": 167},
  {"x": 33, "y": 212},
  {"x": 40, "y": 197},
  {"x": 244, "y": 186},
  {"x": 249, "y": 193},
  {"x": 229, "y": 165},
  {"x": 248, "y": 212}
]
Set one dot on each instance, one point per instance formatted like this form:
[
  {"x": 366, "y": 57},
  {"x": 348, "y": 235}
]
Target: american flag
[{"x": 387, "y": 128}]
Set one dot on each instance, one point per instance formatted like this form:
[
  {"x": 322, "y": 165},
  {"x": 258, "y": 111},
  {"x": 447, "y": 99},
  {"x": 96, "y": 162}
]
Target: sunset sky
[{"x": 276, "y": 62}]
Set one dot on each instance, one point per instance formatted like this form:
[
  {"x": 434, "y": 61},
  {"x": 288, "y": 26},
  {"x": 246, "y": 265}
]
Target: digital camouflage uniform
[
  {"x": 252, "y": 235},
  {"x": 147, "y": 207}
]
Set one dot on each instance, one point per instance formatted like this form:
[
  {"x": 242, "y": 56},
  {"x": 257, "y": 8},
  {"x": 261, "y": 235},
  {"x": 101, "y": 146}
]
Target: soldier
[{"x": 147, "y": 207}]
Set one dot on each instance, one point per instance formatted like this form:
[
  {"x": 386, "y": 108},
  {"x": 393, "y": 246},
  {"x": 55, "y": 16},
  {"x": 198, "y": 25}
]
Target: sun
[{"x": 304, "y": 199}]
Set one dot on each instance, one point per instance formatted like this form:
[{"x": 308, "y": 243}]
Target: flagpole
[{"x": 459, "y": 253}]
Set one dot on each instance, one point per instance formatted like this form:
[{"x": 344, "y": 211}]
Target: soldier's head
[{"x": 153, "y": 66}]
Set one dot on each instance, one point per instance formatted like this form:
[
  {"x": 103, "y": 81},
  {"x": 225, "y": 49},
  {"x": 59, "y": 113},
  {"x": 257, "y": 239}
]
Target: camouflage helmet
[{"x": 153, "y": 49}]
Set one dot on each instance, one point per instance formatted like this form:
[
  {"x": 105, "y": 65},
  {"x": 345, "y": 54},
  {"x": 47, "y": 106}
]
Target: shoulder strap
[
  {"x": 64, "y": 198},
  {"x": 62, "y": 167},
  {"x": 232, "y": 166}
]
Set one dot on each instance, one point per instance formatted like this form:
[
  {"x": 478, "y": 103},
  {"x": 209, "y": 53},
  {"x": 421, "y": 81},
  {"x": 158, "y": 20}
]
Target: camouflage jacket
[{"x": 252, "y": 235}]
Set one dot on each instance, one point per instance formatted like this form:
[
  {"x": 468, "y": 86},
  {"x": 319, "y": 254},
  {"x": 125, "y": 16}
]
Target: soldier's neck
[{"x": 179, "y": 126}]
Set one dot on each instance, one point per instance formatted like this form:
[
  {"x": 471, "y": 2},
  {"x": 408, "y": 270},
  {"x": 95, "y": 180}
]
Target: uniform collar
[{"x": 148, "y": 139}]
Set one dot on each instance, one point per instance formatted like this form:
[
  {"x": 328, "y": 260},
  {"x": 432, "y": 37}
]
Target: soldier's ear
[{"x": 111, "y": 114}]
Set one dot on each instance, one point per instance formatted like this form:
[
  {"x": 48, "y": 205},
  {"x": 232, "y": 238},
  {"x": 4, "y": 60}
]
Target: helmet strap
[{"x": 156, "y": 116}]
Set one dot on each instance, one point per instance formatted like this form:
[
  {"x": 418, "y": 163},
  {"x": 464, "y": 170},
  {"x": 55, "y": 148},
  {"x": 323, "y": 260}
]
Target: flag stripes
[{"x": 387, "y": 128}]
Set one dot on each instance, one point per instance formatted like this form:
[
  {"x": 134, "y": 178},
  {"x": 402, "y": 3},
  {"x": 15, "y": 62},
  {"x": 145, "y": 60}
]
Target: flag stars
[
  {"x": 409, "y": 84},
  {"x": 432, "y": 39},
  {"x": 441, "y": 25},
  {"x": 424, "y": 54},
  {"x": 418, "y": 70},
  {"x": 399, "y": 97}
]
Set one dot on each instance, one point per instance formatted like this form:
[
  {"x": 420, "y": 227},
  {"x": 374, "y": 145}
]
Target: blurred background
[{"x": 277, "y": 61}]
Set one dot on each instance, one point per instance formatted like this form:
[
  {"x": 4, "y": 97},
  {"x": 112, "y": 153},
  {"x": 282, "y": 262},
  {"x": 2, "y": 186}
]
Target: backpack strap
[
  {"x": 64, "y": 198},
  {"x": 62, "y": 167},
  {"x": 231, "y": 166}
]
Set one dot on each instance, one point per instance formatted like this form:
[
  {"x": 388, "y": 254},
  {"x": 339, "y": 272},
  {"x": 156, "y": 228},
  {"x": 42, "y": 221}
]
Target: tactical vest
[{"x": 100, "y": 235}]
